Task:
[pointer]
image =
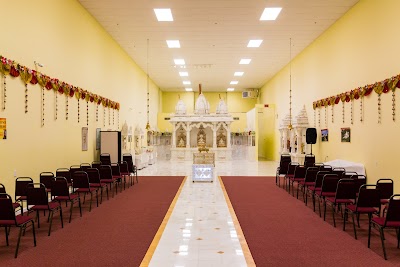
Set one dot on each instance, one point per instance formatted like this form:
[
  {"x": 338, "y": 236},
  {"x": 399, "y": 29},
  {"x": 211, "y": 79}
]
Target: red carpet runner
[
  {"x": 117, "y": 233},
  {"x": 281, "y": 231}
]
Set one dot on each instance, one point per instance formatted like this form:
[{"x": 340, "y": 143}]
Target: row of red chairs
[
  {"x": 347, "y": 192},
  {"x": 67, "y": 185}
]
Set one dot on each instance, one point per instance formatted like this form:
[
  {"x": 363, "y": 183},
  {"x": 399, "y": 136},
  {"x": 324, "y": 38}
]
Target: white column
[
  {"x": 228, "y": 136},
  {"x": 299, "y": 141},
  {"x": 173, "y": 144},
  {"x": 285, "y": 138},
  {"x": 187, "y": 135},
  {"x": 214, "y": 128}
]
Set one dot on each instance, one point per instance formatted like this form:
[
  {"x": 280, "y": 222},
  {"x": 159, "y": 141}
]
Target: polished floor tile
[{"x": 200, "y": 231}]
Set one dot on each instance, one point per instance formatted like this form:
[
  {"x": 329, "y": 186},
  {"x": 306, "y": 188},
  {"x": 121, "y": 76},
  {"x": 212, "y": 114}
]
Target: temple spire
[{"x": 199, "y": 88}]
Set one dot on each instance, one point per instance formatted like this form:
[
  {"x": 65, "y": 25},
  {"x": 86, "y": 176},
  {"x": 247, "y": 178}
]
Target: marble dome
[
  {"x": 285, "y": 122},
  {"x": 202, "y": 106},
  {"x": 222, "y": 108},
  {"x": 301, "y": 119},
  {"x": 180, "y": 107}
]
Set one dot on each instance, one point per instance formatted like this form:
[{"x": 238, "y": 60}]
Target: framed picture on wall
[
  {"x": 84, "y": 138},
  {"x": 98, "y": 138},
  {"x": 324, "y": 135},
  {"x": 345, "y": 134}
]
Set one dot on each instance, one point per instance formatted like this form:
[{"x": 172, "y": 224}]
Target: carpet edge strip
[
  {"x": 150, "y": 252},
  {"x": 242, "y": 240}
]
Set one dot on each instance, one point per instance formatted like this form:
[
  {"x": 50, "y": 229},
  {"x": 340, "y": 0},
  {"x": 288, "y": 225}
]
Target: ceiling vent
[{"x": 250, "y": 93}]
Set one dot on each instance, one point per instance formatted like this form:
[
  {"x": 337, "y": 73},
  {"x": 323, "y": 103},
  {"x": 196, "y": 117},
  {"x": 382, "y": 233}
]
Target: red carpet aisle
[
  {"x": 281, "y": 231},
  {"x": 117, "y": 233}
]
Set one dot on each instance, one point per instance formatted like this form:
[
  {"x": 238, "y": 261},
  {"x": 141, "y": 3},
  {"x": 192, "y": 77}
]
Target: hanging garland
[
  {"x": 379, "y": 88},
  {"x": 118, "y": 117},
  {"x": 12, "y": 68},
  {"x": 113, "y": 116},
  {"x": 319, "y": 118},
  {"x": 97, "y": 113},
  {"x": 326, "y": 116},
  {"x": 42, "y": 106},
  {"x": 87, "y": 113},
  {"x": 109, "y": 117},
  {"x": 5, "y": 69},
  {"x": 104, "y": 117},
  {"x": 66, "y": 107}
]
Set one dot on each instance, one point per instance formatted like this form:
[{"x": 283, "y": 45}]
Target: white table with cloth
[{"x": 347, "y": 165}]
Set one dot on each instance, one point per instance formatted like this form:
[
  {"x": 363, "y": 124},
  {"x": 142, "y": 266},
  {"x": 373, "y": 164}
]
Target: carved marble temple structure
[{"x": 201, "y": 131}]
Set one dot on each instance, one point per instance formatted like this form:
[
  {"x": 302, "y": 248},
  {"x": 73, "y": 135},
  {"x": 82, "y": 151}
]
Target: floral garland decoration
[
  {"x": 27, "y": 75},
  {"x": 379, "y": 88},
  {"x": 5, "y": 69}
]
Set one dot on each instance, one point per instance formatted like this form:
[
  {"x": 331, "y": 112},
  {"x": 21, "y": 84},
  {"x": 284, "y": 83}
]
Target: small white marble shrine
[{"x": 207, "y": 131}]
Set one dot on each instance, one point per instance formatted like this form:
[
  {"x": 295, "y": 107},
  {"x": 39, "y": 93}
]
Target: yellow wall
[
  {"x": 74, "y": 48},
  {"x": 359, "y": 49}
]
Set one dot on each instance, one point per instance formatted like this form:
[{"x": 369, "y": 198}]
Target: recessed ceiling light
[
  {"x": 183, "y": 73},
  {"x": 179, "y": 61},
  {"x": 163, "y": 14},
  {"x": 238, "y": 73},
  {"x": 270, "y": 13},
  {"x": 188, "y": 89},
  {"x": 245, "y": 61},
  {"x": 173, "y": 44},
  {"x": 254, "y": 43},
  {"x": 230, "y": 89},
  {"x": 234, "y": 82},
  {"x": 187, "y": 82}
]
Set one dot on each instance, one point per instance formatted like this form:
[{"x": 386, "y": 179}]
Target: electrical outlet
[{"x": 15, "y": 173}]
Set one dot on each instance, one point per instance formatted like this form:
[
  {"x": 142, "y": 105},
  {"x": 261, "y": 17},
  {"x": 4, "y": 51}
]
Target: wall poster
[
  {"x": 84, "y": 138},
  {"x": 3, "y": 128}
]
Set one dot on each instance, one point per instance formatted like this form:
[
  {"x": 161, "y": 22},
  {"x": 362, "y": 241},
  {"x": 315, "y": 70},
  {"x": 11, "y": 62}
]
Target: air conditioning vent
[{"x": 250, "y": 94}]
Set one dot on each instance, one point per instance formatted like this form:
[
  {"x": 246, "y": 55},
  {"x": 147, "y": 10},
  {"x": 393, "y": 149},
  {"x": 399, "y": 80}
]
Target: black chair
[
  {"x": 105, "y": 158},
  {"x": 3, "y": 191},
  {"x": 309, "y": 180},
  {"x": 368, "y": 202},
  {"x": 339, "y": 171},
  {"x": 80, "y": 184},
  {"x": 309, "y": 160},
  {"x": 116, "y": 174},
  {"x": 299, "y": 175},
  {"x": 46, "y": 178},
  {"x": 9, "y": 219},
  {"x": 107, "y": 177},
  {"x": 60, "y": 192},
  {"x": 283, "y": 167},
  {"x": 392, "y": 220},
  {"x": 290, "y": 173},
  {"x": 124, "y": 169},
  {"x": 96, "y": 164},
  {"x": 65, "y": 172},
  {"x": 385, "y": 187},
  {"x": 95, "y": 182},
  {"x": 21, "y": 183},
  {"x": 346, "y": 193},
  {"x": 38, "y": 200},
  {"x": 85, "y": 166},
  {"x": 131, "y": 166}
]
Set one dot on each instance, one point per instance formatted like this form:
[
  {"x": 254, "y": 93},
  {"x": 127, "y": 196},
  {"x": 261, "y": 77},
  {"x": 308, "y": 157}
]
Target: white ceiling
[{"x": 214, "y": 36}]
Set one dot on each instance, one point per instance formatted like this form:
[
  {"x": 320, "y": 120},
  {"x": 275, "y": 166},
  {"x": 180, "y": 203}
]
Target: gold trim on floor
[
  {"x": 149, "y": 254},
  {"x": 246, "y": 251}
]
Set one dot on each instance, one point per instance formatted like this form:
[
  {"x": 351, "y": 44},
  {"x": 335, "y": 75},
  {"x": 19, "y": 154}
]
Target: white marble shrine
[{"x": 207, "y": 131}]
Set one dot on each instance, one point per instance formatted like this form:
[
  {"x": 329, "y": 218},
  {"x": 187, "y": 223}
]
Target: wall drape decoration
[
  {"x": 381, "y": 87},
  {"x": 14, "y": 69}
]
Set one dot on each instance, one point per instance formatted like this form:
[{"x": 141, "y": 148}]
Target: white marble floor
[{"x": 200, "y": 231}]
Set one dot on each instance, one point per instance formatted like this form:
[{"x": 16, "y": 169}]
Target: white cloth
[{"x": 347, "y": 165}]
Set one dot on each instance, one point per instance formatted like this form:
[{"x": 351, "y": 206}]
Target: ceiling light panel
[
  {"x": 254, "y": 43},
  {"x": 173, "y": 44},
  {"x": 188, "y": 89},
  {"x": 187, "y": 82},
  {"x": 238, "y": 73},
  {"x": 245, "y": 61},
  {"x": 270, "y": 13},
  {"x": 234, "y": 82},
  {"x": 163, "y": 14},
  {"x": 183, "y": 74},
  {"x": 179, "y": 61},
  {"x": 230, "y": 89}
]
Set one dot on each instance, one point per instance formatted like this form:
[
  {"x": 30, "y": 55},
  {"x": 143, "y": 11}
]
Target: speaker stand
[{"x": 311, "y": 149}]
